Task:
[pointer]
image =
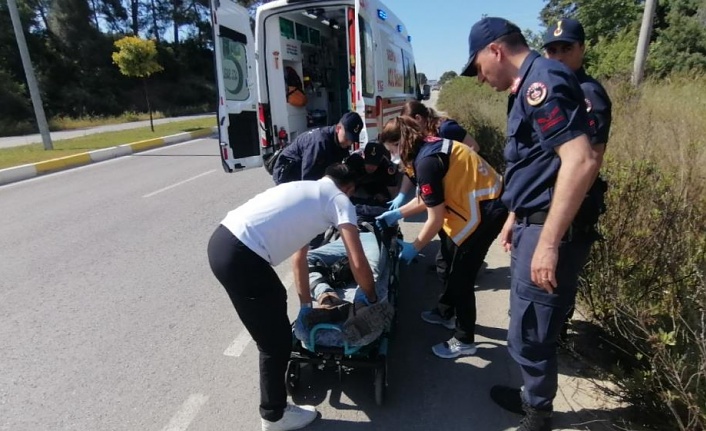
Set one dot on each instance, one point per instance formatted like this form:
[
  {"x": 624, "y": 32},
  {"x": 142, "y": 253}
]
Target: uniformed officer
[
  {"x": 565, "y": 42},
  {"x": 308, "y": 156},
  {"x": 460, "y": 193},
  {"x": 380, "y": 178},
  {"x": 550, "y": 167}
]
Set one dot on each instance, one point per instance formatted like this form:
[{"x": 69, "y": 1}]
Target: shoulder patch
[
  {"x": 536, "y": 93},
  {"x": 426, "y": 189},
  {"x": 550, "y": 119},
  {"x": 589, "y": 105}
]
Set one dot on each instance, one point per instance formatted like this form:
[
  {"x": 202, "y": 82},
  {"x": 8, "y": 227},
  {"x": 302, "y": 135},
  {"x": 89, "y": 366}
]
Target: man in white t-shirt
[{"x": 264, "y": 232}]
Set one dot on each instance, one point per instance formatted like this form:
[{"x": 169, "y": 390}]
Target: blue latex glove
[
  {"x": 303, "y": 312},
  {"x": 300, "y": 325},
  {"x": 361, "y": 297},
  {"x": 398, "y": 201},
  {"x": 408, "y": 252},
  {"x": 388, "y": 218}
]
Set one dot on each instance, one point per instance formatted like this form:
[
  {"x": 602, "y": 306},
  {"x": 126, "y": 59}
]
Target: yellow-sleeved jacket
[{"x": 469, "y": 180}]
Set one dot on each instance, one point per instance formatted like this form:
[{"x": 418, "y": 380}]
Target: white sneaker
[
  {"x": 453, "y": 349},
  {"x": 433, "y": 317},
  {"x": 294, "y": 418}
]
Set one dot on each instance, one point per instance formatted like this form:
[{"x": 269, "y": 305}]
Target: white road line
[
  {"x": 188, "y": 411},
  {"x": 149, "y": 195},
  {"x": 237, "y": 347}
]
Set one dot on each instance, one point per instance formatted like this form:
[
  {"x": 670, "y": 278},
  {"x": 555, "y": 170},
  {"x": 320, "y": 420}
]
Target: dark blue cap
[
  {"x": 352, "y": 124},
  {"x": 484, "y": 32},
  {"x": 565, "y": 30},
  {"x": 374, "y": 153}
]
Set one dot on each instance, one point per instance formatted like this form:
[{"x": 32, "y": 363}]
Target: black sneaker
[
  {"x": 508, "y": 398},
  {"x": 536, "y": 420}
]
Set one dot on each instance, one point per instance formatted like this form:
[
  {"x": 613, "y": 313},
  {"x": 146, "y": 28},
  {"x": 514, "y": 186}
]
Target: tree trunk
[
  {"x": 175, "y": 18},
  {"x": 147, "y": 98},
  {"x": 135, "y": 9},
  {"x": 95, "y": 13},
  {"x": 155, "y": 29}
]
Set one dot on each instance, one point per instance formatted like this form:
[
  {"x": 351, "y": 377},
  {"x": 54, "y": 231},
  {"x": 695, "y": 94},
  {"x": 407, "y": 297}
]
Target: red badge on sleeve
[{"x": 426, "y": 189}]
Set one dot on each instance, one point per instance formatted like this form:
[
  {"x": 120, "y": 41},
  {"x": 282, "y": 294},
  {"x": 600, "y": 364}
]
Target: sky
[{"x": 440, "y": 32}]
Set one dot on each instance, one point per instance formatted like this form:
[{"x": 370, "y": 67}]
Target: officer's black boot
[
  {"x": 507, "y": 398},
  {"x": 535, "y": 420}
]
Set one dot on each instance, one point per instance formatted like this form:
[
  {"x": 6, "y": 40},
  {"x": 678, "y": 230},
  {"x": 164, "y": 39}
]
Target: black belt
[{"x": 537, "y": 217}]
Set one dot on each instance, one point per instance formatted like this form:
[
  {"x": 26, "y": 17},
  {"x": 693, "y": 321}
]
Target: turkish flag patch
[{"x": 426, "y": 189}]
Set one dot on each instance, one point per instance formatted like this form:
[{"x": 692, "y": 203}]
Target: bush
[
  {"x": 644, "y": 283},
  {"x": 475, "y": 107}
]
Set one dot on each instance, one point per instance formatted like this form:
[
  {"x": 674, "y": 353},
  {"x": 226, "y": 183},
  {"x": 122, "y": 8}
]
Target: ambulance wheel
[{"x": 292, "y": 377}]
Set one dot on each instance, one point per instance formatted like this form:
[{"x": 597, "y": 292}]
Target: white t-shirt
[{"x": 279, "y": 221}]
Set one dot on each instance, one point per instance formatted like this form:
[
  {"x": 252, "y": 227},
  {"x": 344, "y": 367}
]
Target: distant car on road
[{"x": 426, "y": 93}]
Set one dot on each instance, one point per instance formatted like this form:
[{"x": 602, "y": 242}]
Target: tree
[
  {"x": 137, "y": 58},
  {"x": 421, "y": 78},
  {"x": 447, "y": 76},
  {"x": 681, "y": 45},
  {"x": 535, "y": 40},
  {"x": 600, "y": 18}
]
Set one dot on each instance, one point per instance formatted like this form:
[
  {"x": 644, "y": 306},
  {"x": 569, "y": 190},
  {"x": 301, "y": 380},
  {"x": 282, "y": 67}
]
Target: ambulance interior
[{"x": 310, "y": 47}]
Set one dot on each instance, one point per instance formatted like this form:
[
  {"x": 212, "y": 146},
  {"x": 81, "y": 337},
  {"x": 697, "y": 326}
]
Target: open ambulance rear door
[{"x": 234, "y": 53}]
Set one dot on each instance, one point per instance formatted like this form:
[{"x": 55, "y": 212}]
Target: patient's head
[
  {"x": 374, "y": 154},
  {"x": 355, "y": 161},
  {"x": 344, "y": 177}
]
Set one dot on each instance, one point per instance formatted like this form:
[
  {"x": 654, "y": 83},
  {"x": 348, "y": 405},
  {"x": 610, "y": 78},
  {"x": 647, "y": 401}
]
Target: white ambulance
[{"x": 309, "y": 63}]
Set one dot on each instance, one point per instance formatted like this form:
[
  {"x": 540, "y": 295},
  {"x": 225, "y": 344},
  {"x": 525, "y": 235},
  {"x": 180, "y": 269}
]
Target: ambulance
[{"x": 305, "y": 65}]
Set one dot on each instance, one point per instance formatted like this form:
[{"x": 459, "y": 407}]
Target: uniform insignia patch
[
  {"x": 426, "y": 189},
  {"x": 589, "y": 105},
  {"x": 536, "y": 93},
  {"x": 550, "y": 119},
  {"x": 558, "y": 30}
]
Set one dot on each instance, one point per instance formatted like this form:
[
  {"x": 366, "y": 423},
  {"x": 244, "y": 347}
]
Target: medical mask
[{"x": 395, "y": 159}]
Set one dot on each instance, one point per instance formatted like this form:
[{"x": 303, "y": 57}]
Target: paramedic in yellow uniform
[{"x": 460, "y": 192}]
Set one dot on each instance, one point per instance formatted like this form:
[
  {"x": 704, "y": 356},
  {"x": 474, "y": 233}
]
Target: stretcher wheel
[
  {"x": 380, "y": 383},
  {"x": 292, "y": 377}
]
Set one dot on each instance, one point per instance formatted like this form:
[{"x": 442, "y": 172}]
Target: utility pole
[
  {"x": 643, "y": 44},
  {"x": 29, "y": 75}
]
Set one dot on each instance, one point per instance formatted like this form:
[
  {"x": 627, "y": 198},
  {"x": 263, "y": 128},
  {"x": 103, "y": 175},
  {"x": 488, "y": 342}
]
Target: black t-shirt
[{"x": 430, "y": 172}]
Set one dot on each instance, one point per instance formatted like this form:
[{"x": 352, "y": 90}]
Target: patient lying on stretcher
[{"x": 339, "y": 300}]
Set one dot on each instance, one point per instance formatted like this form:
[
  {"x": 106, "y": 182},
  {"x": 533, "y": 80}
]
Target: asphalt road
[
  {"x": 112, "y": 320},
  {"x": 14, "y": 141}
]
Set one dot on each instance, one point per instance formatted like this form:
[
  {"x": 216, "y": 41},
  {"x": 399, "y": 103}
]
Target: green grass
[
  {"x": 67, "y": 123},
  {"x": 35, "y": 152}
]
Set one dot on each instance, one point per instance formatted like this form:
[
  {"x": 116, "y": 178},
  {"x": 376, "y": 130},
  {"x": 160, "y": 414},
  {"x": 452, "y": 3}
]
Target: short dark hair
[
  {"x": 342, "y": 174},
  {"x": 513, "y": 41},
  {"x": 356, "y": 162}
]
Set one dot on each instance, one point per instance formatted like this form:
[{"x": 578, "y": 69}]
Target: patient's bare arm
[{"x": 360, "y": 267}]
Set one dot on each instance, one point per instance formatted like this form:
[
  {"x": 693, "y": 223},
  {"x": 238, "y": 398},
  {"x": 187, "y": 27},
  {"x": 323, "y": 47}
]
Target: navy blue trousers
[{"x": 536, "y": 317}]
